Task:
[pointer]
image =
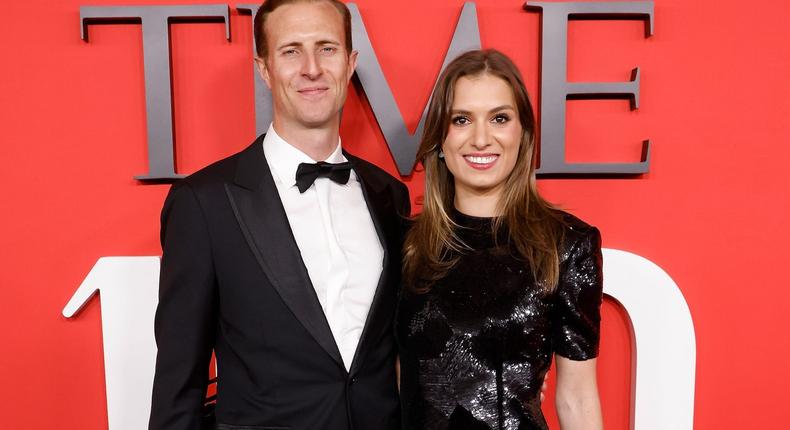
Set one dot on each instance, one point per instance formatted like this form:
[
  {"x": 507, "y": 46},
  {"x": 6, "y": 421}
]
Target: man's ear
[
  {"x": 263, "y": 70},
  {"x": 352, "y": 63}
]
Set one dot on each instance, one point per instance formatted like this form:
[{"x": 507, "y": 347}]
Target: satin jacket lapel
[
  {"x": 377, "y": 197},
  {"x": 260, "y": 213}
]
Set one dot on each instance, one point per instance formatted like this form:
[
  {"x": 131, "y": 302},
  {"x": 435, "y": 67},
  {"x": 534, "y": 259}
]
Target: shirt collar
[{"x": 284, "y": 158}]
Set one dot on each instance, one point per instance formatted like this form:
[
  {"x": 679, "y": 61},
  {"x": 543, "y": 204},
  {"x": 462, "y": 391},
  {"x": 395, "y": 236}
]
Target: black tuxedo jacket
[{"x": 232, "y": 280}]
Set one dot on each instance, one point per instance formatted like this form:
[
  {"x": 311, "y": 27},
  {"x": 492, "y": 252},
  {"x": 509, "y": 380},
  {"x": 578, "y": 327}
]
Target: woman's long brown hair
[{"x": 535, "y": 227}]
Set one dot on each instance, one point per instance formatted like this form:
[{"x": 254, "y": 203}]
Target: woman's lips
[{"x": 481, "y": 161}]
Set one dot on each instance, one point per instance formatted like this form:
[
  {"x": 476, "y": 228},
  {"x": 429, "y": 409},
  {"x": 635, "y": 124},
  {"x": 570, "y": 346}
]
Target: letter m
[{"x": 402, "y": 144}]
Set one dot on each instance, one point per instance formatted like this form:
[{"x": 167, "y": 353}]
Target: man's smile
[{"x": 313, "y": 91}]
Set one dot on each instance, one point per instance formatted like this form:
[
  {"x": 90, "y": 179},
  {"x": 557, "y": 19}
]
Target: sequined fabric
[{"x": 474, "y": 350}]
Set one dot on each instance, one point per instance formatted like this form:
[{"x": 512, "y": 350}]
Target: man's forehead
[{"x": 304, "y": 16}]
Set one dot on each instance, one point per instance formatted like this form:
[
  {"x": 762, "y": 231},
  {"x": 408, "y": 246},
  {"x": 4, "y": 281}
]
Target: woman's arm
[
  {"x": 577, "y": 402},
  {"x": 397, "y": 371}
]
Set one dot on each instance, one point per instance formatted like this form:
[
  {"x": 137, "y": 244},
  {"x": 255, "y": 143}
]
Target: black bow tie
[{"x": 307, "y": 173}]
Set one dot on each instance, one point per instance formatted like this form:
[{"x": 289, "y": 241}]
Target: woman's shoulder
[
  {"x": 576, "y": 233},
  {"x": 572, "y": 223}
]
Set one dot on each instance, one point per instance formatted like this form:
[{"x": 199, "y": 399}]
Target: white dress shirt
[{"x": 336, "y": 237}]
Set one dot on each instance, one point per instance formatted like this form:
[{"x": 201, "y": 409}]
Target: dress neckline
[
  {"x": 477, "y": 232},
  {"x": 465, "y": 220}
]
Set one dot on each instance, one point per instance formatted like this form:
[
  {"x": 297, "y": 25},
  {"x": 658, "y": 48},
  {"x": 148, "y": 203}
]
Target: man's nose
[{"x": 311, "y": 67}]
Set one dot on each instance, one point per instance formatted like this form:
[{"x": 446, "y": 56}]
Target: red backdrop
[{"x": 712, "y": 212}]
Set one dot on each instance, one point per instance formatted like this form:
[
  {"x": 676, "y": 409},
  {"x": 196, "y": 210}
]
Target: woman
[{"x": 497, "y": 280}]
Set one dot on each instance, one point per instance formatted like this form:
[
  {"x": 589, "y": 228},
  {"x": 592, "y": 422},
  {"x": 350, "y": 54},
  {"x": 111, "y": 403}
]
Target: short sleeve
[{"x": 576, "y": 322}]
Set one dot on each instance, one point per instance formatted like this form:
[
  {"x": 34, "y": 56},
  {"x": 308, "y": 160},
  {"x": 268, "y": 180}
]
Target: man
[{"x": 288, "y": 270}]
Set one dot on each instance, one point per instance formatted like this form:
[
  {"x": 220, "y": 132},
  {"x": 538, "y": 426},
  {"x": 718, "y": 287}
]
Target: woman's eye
[
  {"x": 501, "y": 118},
  {"x": 460, "y": 120}
]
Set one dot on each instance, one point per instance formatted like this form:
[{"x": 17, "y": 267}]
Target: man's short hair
[{"x": 268, "y": 6}]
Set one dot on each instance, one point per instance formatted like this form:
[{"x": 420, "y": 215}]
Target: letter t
[{"x": 156, "y": 59}]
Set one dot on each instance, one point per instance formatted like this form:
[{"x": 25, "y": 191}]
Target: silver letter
[
  {"x": 156, "y": 58},
  {"x": 555, "y": 90},
  {"x": 402, "y": 144},
  {"x": 263, "y": 97}
]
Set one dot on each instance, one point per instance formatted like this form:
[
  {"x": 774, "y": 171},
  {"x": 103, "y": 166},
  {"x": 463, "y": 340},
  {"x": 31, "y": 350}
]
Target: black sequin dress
[{"x": 474, "y": 350}]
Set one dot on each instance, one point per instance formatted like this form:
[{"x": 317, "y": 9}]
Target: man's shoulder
[
  {"x": 380, "y": 179},
  {"x": 374, "y": 173},
  {"x": 221, "y": 171}
]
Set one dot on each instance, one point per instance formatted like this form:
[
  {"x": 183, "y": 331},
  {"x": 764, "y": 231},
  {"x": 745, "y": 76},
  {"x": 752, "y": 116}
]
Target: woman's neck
[{"x": 484, "y": 205}]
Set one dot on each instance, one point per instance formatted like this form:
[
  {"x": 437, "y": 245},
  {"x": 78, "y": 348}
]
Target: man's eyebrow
[
  {"x": 289, "y": 45},
  {"x": 296, "y": 44}
]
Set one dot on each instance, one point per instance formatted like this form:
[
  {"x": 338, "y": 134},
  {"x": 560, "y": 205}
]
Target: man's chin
[{"x": 319, "y": 121}]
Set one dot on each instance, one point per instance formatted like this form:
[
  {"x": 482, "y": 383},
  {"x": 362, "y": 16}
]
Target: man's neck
[{"x": 317, "y": 143}]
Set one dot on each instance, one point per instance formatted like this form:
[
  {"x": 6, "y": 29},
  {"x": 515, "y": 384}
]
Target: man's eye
[
  {"x": 289, "y": 52},
  {"x": 500, "y": 118},
  {"x": 328, "y": 49},
  {"x": 460, "y": 120}
]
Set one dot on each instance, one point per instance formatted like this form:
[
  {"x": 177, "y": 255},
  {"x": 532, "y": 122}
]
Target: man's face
[{"x": 307, "y": 67}]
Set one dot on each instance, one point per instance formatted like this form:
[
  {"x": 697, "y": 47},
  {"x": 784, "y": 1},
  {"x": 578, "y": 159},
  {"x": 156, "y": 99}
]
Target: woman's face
[{"x": 483, "y": 137}]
